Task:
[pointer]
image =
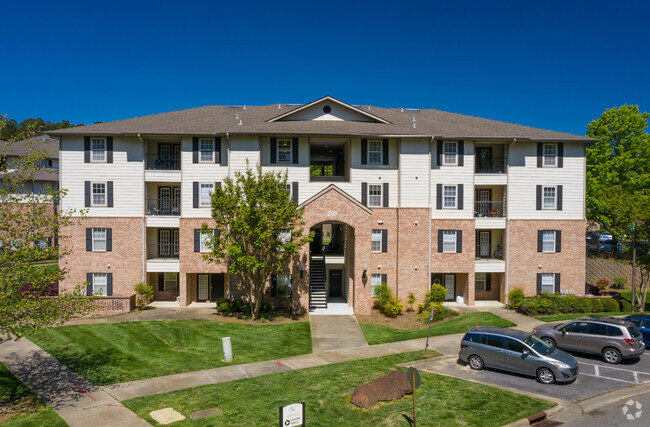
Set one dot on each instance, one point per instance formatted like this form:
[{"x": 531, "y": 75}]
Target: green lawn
[
  {"x": 378, "y": 334},
  {"x": 29, "y": 409},
  {"x": 326, "y": 392},
  {"x": 116, "y": 352},
  {"x": 628, "y": 296},
  {"x": 569, "y": 316}
]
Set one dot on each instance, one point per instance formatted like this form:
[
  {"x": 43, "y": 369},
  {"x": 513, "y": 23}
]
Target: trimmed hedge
[{"x": 555, "y": 304}]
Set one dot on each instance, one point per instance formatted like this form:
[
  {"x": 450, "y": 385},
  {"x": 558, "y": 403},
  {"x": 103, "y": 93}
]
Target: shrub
[
  {"x": 591, "y": 289},
  {"x": 515, "y": 298},
  {"x": 610, "y": 305},
  {"x": 619, "y": 282},
  {"x": 439, "y": 312},
  {"x": 602, "y": 284},
  {"x": 144, "y": 293},
  {"x": 436, "y": 294},
  {"x": 224, "y": 307},
  {"x": 626, "y": 306},
  {"x": 596, "y": 305},
  {"x": 386, "y": 302},
  {"x": 411, "y": 301}
]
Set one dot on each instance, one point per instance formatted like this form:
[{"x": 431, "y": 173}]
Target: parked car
[
  {"x": 516, "y": 351},
  {"x": 642, "y": 322},
  {"x": 605, "y": 237},
  {"x": 613, "y": 339},
  {"x": 606, "y": 247}
]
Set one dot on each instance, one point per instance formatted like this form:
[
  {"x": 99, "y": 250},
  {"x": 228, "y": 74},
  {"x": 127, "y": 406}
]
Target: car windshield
[
  {"x": 538, "y": 345},
  {"x": 634, "y": 332}
]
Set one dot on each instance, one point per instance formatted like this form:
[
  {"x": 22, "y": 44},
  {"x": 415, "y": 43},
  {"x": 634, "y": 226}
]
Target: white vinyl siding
[
  {"x": 375, "y": 152},
  {"x": 548, "y": 282},
  {"x": 170, "y": 281},
  {"x": 98, "y": 149},
  {"x": 284, "y": 151},
  {"x": 202, "y": 172},
  {"x": 450, "y": 153},
  {"x": 548, "y": 241},
  {"x": 449, "y": 241},
  {"x": 206, "y": 150},
  {"x": 98, "y": 194},
  {"x": 99, "y": 239},
  {"x": 449, "y": 196},
  {"x": 100, "y": 284},
  {"x": 549, "y": 195},
  {"x": 550, "y": 155},
  {"x": 376, "y": 241},
  {"x": 414, "y": 173},
  {"x": 374, "y": 195}
]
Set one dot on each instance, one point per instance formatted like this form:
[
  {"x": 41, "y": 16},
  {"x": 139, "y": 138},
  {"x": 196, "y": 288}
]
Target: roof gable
[
  {"x": 328, "y": 109},
  {"x": 337, "y": 193}
]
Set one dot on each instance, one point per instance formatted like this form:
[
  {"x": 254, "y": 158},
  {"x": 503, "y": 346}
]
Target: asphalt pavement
[{"x": 633, "y": 411}]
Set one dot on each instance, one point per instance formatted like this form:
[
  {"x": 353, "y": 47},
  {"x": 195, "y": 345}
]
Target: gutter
[{"x": 505, "y": 294}]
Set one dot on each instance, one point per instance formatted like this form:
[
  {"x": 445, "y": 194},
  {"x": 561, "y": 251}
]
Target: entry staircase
[{"x": 317, "y": 291}]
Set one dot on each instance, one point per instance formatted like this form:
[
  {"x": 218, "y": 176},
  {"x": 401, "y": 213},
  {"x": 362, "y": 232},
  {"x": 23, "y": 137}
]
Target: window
[
  {"x": 474, "y": 337},
  {"x": 374, "y": 195},
  {"x": 205, "y": 238},
  {"x": 45, "y": 163},
  {"x": 495, "y": 341},
  {"x": 100, "y": 284},
  {"x": 283, "y": 287},
  {"x": 548, "y": 241},
  {"x": 548, "y": 283},
  {"x": 206, "y": 191},
  {"x": 549, "y": 198},
  {"x": 516, "y": 346},
  {"x": 449, "y": 196},
  {"x": 374, "y": 152},
  {"x": 375, "y": 281},
  {"x": 577, "y": 327},
  {"x": 597, "y": 329},
  {"x": 98, "y": 194},
  {"x": 206, "y": 149},
  {"x": 376, "y": 241},
  {"x": 170, "y": 281},
  {"x": 450, "y": 153},
  {"x": 98, "y": 149},
  {"x": 449, "y": 241},
  {"x": 284, "y": 151},
  {"x": 287, "y": 188},
  {"x": 550, "y": 155},
  {"x": 479, "y": 280},
  {"x": 614, "y": 331},
  {"x": 284, "y": 237},
  {"x": 99, "y": 239}
]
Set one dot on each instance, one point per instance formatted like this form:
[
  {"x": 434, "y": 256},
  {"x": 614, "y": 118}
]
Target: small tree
[
  {"x": 144, "y": 293},
  {"x": 261, "y": 229}
]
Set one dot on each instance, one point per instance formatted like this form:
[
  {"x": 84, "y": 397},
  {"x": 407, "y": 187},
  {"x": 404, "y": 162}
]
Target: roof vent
[
  {"x": 413, "y": 118},
  {"x": 237, "y": 115},
  {"x": 237, "y": 107},
  {"x": 240, "y": 123},
  {"x": 410, "y": 109},
  {"x": 293, "y": 105},
  {"x": 279, "y": 106},
  {"x": 402, "y": 109},
  {"x": 368, "y": 107}
]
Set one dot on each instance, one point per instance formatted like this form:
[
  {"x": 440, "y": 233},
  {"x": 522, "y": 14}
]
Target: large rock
[{"x": 389, "y": 387}]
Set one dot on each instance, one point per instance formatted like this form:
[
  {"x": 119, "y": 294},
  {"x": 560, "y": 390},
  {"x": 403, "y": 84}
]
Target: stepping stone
[
  {"x": 204, "y": 413},
  {"x": 166, "y": 416}
]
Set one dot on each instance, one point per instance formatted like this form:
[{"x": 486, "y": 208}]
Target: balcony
[
  {"x": 328, "y": 160},
  {"x": 490, "y": 165},
  {"x": 162, "y": 162},
  {"x": 489, "y": 209},
  {"x": 163, "y": 207},
  {"x": 489, "y": 252},
  {"x": 162, "y": 251}
]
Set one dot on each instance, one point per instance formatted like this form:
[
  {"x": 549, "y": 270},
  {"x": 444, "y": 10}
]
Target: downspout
[
  {"x": 144, "y": 225},
  {"x": 508, "y": 221},
  {"x": 228, "y": 265},
  {"x": 397, "y": 212},
  {"x": 430, "y": 211}
]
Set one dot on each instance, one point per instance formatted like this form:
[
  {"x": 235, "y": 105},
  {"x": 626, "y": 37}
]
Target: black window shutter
[
  {"x": 560, "y": 155},
  {"x": 384, "y": 279},
  {"x": 488, "y": 281},
  {"x": 109, "y": 284},
  {"x": 461, "y": 153},
  {"x": 557, "y": 283},
  {"x": 89, "y": 286},
  {"x": 197, "y": 240},
  {"x": 558, "y": 241},
  {"x": 540, "y": 154},
  {"x": 438, "y": 196},
  {"x": 109, "y": 239},
  {"x": 109, "y": 194},
  {"x": 384, "y": 240},
  {"x": 459, "y": 241},
  {"x": 539, "y": 197},
  {"x": 215, "y": 233},
  {"x": 195, "y": 194},
  {"x": 364, "y": 193},
  {"x": 559, "y": 197},
  {"x": 539, "y": 283},
  {"x": 224, "y": 154},
  {"x": 439, "y": 154},
  {"x": 89, "y": 239},
  {"x": 386, "y": 198},
  {"x": 440, "y": 241},
  {"x": 161, "y": 282},
  {"x": 294, "y": 191},
  {"x": 274, "y": 149},
  {"x": 217, "y": 150},
  {"x": 384, "y": 147},
  {"x": 195, "y": 149},
  {"x": 87, "y": 194},
  {"x": 86, "y": 149},
  {"x": 274, "y": 285},
  {"x": 364, "y": 151},
  {"x": 459, "y": 194},
  {"x": 295, "y": 147},
  {"x": 540, "y": 241},
  {"x": 109, "y": 149}
]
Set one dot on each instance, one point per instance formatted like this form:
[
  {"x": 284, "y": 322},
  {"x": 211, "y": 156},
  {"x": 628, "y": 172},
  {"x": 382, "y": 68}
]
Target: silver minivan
[{"x": 516, "y": 351}]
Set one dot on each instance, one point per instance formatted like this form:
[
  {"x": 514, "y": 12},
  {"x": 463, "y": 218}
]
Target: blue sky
[{"x": 549, "y": 64}]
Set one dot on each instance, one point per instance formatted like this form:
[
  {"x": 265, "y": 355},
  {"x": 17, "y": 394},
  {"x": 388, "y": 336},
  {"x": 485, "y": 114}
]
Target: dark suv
[{"x": 613, "y": 339}]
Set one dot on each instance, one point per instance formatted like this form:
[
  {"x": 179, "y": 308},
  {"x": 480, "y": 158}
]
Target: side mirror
[{"x": 526, "y": 352}]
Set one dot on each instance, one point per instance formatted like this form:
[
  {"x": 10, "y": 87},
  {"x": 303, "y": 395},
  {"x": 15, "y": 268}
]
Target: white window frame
[
  {"x": 205, "y": 155},
  {"x": 449, "y": 237},
  {"x": 92, "y": 193},
  {"x": 283, "y": 281},
  {"x": 445, "y": 197},
  {"x": 372, "y": 197},
  {"x": 288, "y": 188},
  {"x": 377, "y": 153},
  {"x": 452, "y": 160},
  {"x": 284, "y": 237},
  {"x": 287, "y": 150},
  {"x": 548, "y": 245},
  {"x": 201, "y": 201},
  {"x": 550, "y": 157},
  {"x": 544, "y": 198},
  {"x": 97, "y": 287},
  {"x": 480, "y": 281},
  {"x": 375, "y": 281},
  {"x": 169, "y": 278},
  {"x": 98, "y": 155},
  {"x": 204, "y": 238},
  {"x": 97, "y": 240},
  {"x": 549, "y": 278},
  {"x": 376, "y": 241}
]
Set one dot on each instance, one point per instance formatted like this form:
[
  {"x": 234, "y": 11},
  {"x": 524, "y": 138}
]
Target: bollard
[
  {"x": 227, "y": 349},
  {"x": 178, "y": 301}
]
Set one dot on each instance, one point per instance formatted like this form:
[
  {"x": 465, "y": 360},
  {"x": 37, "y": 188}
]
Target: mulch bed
[{"x": 407, "y": 320}]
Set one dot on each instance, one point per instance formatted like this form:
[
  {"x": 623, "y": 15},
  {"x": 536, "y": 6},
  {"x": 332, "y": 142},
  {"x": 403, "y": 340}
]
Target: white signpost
[{"x": 292, "y": 415}]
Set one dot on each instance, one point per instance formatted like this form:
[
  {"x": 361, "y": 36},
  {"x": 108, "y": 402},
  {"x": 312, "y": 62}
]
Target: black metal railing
[
  {"x": 489, "y": 209},
  {"x": 162, "y": 250},
  {"x": 489, "y": 251},
  {"x": 490, "y": 166},
  {"x": 156, "y": 162},
  {"x": 168, "y": 207}
]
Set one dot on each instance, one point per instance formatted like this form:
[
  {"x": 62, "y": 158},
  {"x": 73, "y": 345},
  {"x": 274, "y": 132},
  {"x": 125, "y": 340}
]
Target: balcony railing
[
  {"x": 490, "y": 166},
  {"x": 167, "y": 207},
  {"x": 162, "y": 250},
  {"x": 156, "y": 162},
  {"x": 489, "y": 251},
  {"x": 489, "y": 209}
]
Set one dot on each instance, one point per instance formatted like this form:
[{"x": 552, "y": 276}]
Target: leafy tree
[
  {"x": 13, "y": 130},
  {"x": 29, "y": 227},
  {"x": 254, "y": 210}
]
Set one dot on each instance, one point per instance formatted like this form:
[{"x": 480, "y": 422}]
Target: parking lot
[{"x": 594, "y": 378}]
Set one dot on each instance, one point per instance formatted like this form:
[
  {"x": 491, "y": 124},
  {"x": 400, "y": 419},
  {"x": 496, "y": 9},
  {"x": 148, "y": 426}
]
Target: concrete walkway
[
  {"x": 75, "y": 399},
  {"x": 335, "y": 332}
]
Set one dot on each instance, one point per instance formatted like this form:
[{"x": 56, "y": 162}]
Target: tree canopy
[{"x": 11, "y": 130}]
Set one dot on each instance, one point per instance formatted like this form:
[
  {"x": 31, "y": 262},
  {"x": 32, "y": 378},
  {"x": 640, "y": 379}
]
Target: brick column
[
  {"x": 471, "y": 289},
  {"x": 182, "y": 288}
]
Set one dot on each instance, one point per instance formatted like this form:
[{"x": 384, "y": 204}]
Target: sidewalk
[{"x": 335, "y": 332}]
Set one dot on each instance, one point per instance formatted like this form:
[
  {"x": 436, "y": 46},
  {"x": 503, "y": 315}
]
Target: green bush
[
  {"x": 619, "y": 282},
  {"x": 625, "y": 305},
  {"x": 439, "y": 312},
  {"x": 515, "y": 298},
  {"x": 386, "y": 302},
  {"x": 144, "y": 293},
  {"x": 437, "y": 294},
  {"x": 596, "y": 305},
  {"x": 610, "y": 305}
]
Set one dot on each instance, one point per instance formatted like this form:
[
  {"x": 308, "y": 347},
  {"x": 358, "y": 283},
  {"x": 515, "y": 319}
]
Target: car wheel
[
  {"x": 475, "y": 362},
  {"x": 611, "y": 355},
  {"x": 545, "y": 376},
  {"x": 550, "y": 342}
]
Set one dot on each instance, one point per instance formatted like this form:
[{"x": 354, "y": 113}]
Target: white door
[
  {"x": 165, "y": 200},
  {"x": 484, "y": 202},
  {"x": 484, "y": 244},
  {"x": 450, "y": 285},
  {"x": 203, "y": 287}
]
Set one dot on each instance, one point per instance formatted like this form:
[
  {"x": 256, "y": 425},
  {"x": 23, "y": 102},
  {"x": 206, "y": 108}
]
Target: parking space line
[
  {"x": 607, "y": 378},
  {"x": 636, "y": 377},
  {"x": 596, "y": 371},
  {"x": 611, "y": 367}
]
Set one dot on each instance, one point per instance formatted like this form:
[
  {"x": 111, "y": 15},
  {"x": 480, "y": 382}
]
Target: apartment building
[{"x": 401, "y": 196}]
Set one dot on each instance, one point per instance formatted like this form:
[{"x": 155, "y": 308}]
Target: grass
[
  {"x": 19, "y": 406},
  {"x": 378, "y": 334},
  {"x": 569, "y": 316},
  {"x": 116, "y": 352},
  {"x": 326, "y": 392},
  {"x": 628, "y": 296}
]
